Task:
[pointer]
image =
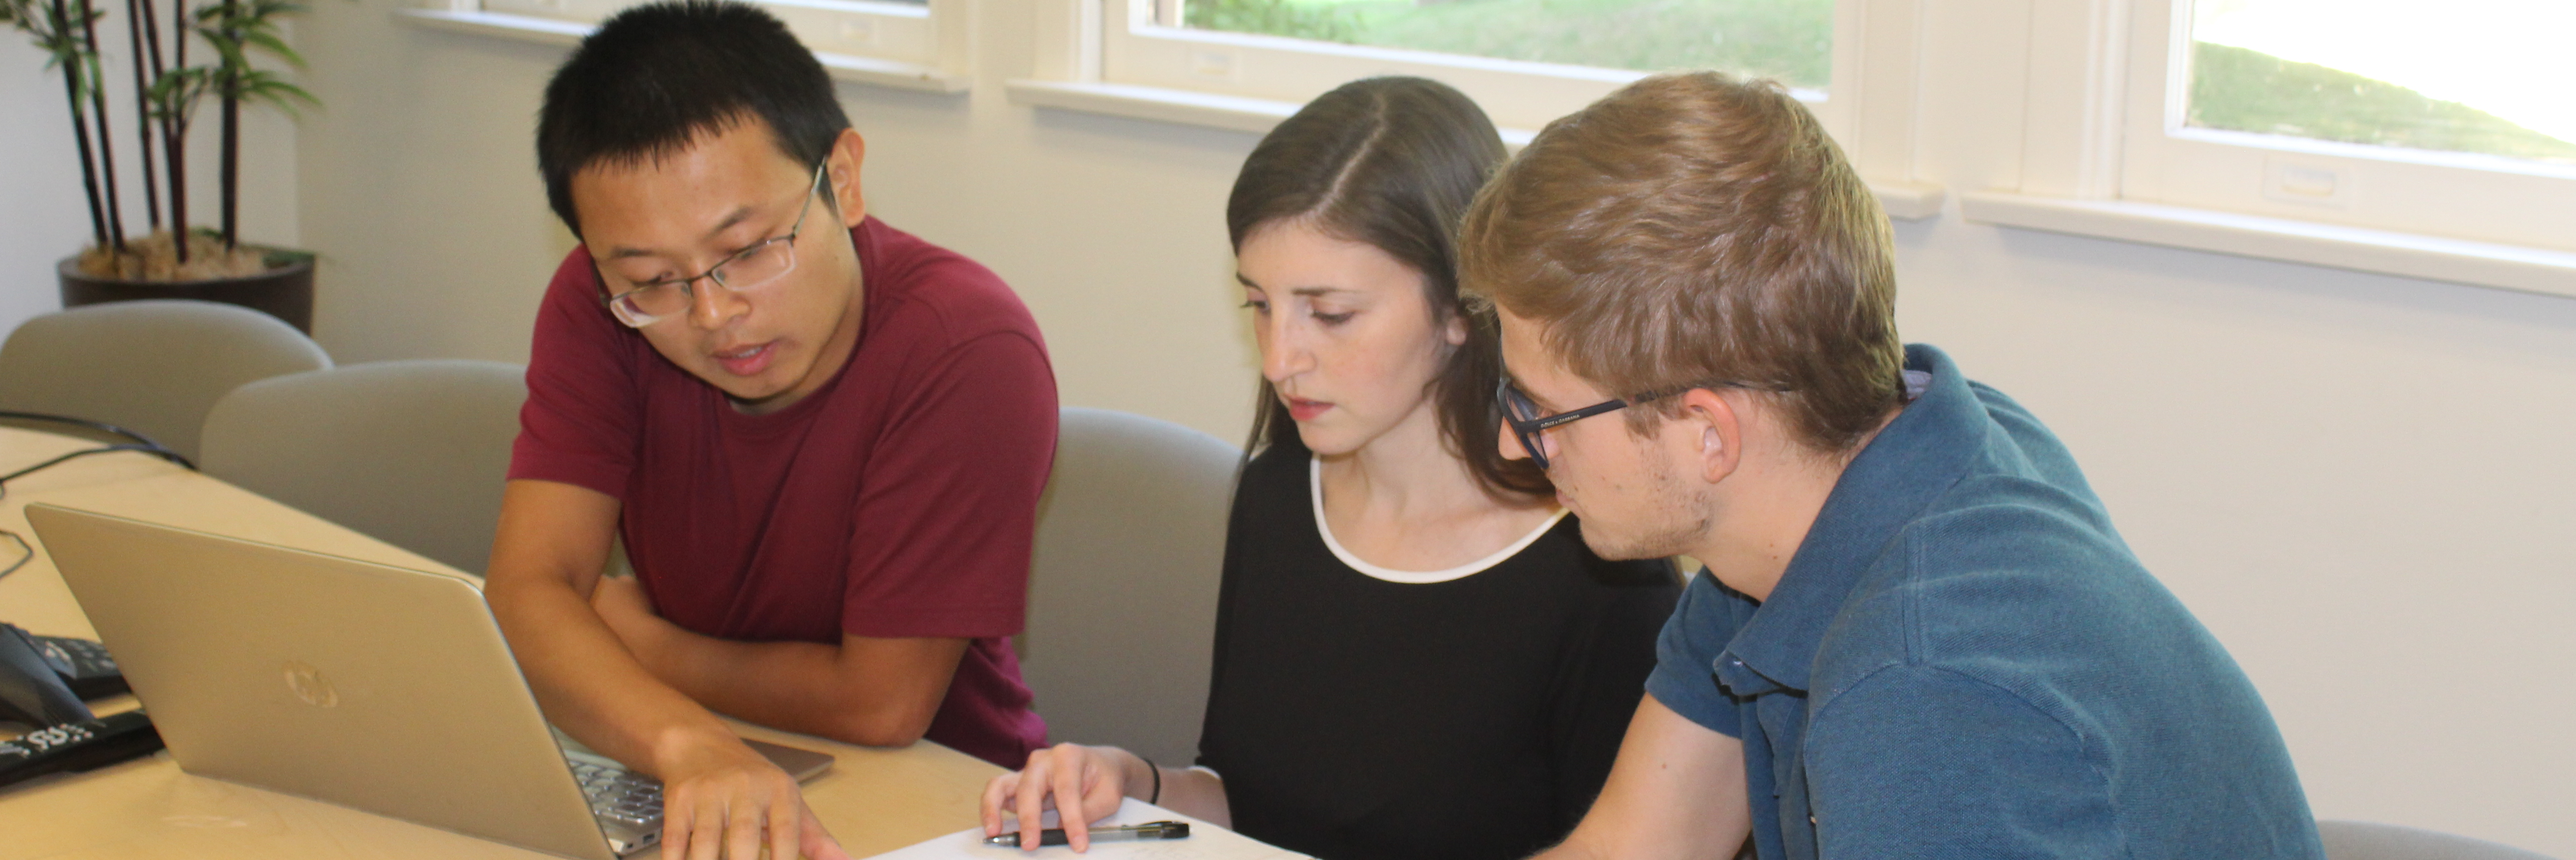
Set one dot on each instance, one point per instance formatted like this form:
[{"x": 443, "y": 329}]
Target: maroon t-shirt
[{"x": 898, "y": 500}]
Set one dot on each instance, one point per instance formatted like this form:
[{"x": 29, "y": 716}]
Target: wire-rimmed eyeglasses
[{"x": 756, "y": 266}]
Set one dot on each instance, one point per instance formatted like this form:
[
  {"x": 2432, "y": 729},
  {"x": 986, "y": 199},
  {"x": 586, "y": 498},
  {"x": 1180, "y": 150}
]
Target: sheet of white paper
[{"x": 1206, "y": 842}]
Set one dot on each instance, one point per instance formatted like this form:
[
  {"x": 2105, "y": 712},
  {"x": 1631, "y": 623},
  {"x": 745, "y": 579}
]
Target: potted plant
[{"x": 174, "y": 259}]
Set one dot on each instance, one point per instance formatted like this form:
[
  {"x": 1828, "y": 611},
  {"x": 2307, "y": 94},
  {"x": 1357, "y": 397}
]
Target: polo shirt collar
[{"x": 1918, "y": 456}]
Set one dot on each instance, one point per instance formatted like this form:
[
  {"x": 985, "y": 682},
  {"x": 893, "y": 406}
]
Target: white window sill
[
  {"x": 2412, "y": 255},
  {"x": 1907, "y": 200},
  {"x": 548, "y": 31}
]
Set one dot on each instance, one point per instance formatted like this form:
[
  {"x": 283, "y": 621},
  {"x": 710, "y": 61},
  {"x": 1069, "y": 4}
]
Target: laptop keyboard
[{"x": 620, "y": 795}]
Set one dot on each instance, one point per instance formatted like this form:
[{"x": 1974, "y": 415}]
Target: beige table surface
[{"x": 874, "y": 800}]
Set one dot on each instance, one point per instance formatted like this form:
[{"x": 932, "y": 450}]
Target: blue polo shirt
[{"x": 1963, "y": 660}]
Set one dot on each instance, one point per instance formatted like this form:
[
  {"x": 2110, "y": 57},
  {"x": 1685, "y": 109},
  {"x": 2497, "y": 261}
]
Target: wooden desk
[{"x": 874, "y": 800}]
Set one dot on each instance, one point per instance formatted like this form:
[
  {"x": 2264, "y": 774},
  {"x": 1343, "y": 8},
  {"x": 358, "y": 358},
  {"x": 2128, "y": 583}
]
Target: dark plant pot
[{"x": 285, "y": 291}]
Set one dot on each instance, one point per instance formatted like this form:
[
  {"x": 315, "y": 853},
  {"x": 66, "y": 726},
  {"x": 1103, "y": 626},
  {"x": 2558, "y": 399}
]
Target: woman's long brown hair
[{"x": 1392, "y": 162}]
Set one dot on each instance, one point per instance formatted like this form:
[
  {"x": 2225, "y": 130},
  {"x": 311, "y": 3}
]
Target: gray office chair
[
  {"x": 1122, "y": 589},
  {"x": 2362, "y": 840},
  {"x": 412, "y": 453},
  {"x": 154, "y": 367}
]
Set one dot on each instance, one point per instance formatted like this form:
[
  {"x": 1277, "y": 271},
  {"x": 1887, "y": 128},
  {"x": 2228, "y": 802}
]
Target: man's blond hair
[{"x": 1693, "y": 230}]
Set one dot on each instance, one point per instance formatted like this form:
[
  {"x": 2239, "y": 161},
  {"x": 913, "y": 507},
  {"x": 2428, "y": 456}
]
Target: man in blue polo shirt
[{"x": 1918, "y": 634}]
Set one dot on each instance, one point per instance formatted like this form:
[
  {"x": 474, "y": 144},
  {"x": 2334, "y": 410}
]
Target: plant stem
[
  {"x": 230, "y": 168},
  {"x": 175, "y": 145},
  {"x": 106, "y": 142},
  {"x": 80, "y": 128},
  {"x": 150, "y": 21},
  {"x": 170, "y": 151},
  {"x": 175, "y": 130},
  {"x": 232, "y": 172},
  {"x": 134, "y": 27}
]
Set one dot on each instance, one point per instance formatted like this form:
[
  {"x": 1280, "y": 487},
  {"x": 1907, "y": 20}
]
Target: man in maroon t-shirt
[{"x": 821, "y": 439}]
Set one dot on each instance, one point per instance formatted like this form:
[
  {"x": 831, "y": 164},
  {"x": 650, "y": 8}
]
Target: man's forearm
[
  {"x": 876, "y": 692},
  {"x": 552, "y": 540},
  {"x": 1571, "y": 849},
  {"x": 1677, "y": 792},
  {"x": 586, "y": 680}
]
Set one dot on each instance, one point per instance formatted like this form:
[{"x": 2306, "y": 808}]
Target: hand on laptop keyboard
[
  {"x": 729, "y": 802},
  {"x": 619, "y": 794}
]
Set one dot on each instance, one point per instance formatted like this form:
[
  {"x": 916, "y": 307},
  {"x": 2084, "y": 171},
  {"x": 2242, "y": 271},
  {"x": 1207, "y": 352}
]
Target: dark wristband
[{"x": 1158, "y": 779}]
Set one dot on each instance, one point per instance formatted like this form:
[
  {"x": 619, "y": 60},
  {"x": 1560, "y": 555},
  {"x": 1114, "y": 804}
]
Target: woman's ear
[{"x": 1455, "y": 330}]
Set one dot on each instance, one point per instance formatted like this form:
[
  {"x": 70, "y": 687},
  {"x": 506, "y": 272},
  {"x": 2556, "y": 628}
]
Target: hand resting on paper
[{"x": 1096, "y": 779}]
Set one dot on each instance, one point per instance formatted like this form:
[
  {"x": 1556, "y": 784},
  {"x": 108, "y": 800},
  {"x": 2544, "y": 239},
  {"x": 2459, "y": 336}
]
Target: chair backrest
[
  {"x": 154, "y": 367},
  {"x": 1122, "y": 589},
  {"x": 412, "y": 453},
  {"x": 2362, "y": 840}
]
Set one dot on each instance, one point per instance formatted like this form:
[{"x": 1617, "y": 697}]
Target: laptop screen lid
[{"x": 360, "y": 684}]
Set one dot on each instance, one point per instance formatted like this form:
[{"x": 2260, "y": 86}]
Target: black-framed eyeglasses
[
  {"x": 1521, "y": 413},
  {"x": 752, "y": 267}
]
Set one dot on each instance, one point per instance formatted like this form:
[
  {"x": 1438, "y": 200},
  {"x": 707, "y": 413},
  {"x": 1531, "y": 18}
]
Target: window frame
[
  {"x": 2461, "y": 196},
  {"x": 1112, "y": 56},
  {"x": 916, "y": 46},
  {"x": 2094, "y": 148},
  {"x": 1140, "y": 48}
]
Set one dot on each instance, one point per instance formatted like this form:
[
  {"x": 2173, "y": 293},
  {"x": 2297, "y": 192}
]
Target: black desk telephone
[{"x": 42, "y": 682}]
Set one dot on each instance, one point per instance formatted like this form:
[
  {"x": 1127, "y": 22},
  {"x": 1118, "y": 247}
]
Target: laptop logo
[{"x": 307, "y": 684}]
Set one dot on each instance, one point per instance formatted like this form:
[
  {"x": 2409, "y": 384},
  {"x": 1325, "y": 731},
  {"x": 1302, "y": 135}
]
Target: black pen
[{"x": 1055, "y": 835}]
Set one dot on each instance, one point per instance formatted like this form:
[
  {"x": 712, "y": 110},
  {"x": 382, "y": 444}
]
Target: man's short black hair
[{"x": 655, "y": 77}]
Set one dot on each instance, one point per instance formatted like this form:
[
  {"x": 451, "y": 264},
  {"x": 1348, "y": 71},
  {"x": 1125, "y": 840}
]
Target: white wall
[
  {"x": 423, "y": 188},
  {"x": 2361, "y": 483},
  {"x": 44, "y": 215},
  {"x": 44, "y": 219}
]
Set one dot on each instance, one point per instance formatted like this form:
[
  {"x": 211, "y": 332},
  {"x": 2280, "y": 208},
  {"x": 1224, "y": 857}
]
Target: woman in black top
[{"x": 1416, "y": 655}]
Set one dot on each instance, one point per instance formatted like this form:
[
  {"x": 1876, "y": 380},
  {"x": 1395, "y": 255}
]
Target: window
[
  {"x": 2443, "y": 119},
  {"x": 1789, "y": 40},
  {"x": 1526, "y": 61},
  {"x": 899, "y": 43},
  {"x": 1246, "y": 64},
  {"x": 2267, "y": 67}
]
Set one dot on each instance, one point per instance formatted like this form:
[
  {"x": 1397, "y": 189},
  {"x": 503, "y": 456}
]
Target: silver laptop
[{"x": 374, "y": 687}]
